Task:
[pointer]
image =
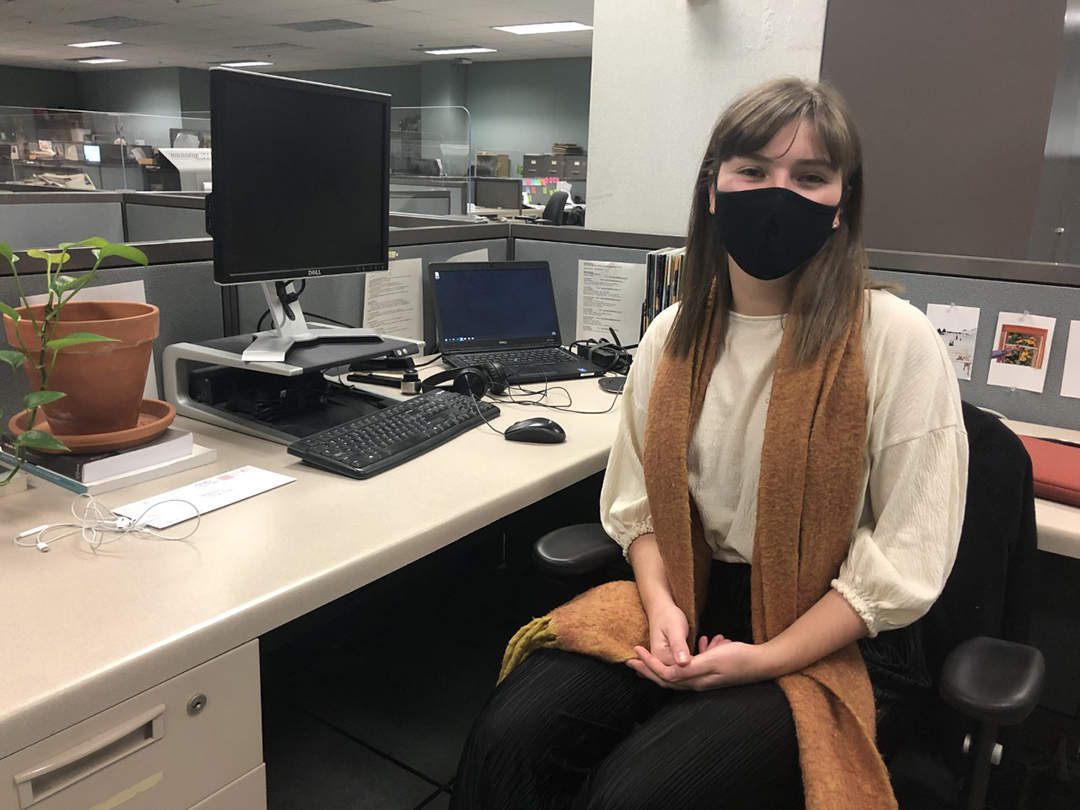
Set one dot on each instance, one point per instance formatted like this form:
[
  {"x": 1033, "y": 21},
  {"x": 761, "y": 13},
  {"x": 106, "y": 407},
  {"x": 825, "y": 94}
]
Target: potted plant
[{"x": 52, "y": 344}]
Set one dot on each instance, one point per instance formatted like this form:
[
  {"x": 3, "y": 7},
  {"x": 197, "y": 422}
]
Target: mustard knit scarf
[{"x": 807, "y": 490}]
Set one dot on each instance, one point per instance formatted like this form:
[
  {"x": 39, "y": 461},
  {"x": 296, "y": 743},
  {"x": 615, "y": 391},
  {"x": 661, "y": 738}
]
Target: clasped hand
[{"x": 719, "y": 662}]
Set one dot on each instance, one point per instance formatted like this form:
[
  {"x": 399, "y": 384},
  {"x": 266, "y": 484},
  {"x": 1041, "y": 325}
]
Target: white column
[{"x": 662, "y": 72}]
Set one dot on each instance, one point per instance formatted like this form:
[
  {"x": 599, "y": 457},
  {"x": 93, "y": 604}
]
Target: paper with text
[
  {"x": 610, "y": 295},
  {"x": 1070, "y": 379},
  {"x": 394, "y": 302},
  {"x": 172, "y": 507}
]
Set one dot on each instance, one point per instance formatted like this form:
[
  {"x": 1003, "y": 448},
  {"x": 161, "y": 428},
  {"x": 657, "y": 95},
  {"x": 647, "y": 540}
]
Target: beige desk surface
[{"x": 82, "y": 631}]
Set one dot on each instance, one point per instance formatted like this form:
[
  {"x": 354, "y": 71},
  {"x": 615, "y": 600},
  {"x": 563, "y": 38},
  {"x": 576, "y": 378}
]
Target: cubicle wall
[
  {"x": 180, "y": 280},
  {"x": 342, "y": 297},
  {"x": 33, "y": 220},
  {"x": 563, "y": 259},
  {"x": 992, "y": 297},
  {"x": 189, "y": 301},
  {"x": 154, "y": 217}
]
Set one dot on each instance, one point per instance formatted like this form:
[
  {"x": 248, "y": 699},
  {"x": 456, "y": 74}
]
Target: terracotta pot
[{"x": 103, "y": 381}]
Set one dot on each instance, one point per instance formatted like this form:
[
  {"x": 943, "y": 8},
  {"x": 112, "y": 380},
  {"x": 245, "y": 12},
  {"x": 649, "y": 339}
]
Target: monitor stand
[{"x": 290, "y": 327}]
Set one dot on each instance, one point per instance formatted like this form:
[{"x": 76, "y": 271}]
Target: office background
[{"x": 988, "y": 185}]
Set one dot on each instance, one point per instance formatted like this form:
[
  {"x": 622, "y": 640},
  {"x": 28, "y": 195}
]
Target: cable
[
  {"x": 546, "y": 393},
  {"x": 97, "y": 523}
]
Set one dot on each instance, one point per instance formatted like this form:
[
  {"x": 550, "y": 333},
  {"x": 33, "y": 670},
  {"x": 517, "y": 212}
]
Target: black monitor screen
[
  {"x": 301, "y": 178},
  {"x": 497, "y": 303}
]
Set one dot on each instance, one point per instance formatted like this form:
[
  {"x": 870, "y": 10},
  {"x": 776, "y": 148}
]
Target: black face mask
[{"x": 770, "y": 232}]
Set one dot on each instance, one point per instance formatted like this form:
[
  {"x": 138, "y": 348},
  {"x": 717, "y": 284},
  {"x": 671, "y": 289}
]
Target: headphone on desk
[{"x": 476, "y": 381}]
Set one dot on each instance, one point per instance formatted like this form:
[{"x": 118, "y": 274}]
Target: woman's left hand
[{"x": 719, "y": 663}]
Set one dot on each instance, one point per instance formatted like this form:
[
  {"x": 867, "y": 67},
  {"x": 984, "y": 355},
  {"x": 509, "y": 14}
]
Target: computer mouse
[{"x": 535, "y": 431}]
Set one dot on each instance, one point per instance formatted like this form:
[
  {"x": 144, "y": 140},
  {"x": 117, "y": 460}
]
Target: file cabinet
[{"x": 194, "y": 741}]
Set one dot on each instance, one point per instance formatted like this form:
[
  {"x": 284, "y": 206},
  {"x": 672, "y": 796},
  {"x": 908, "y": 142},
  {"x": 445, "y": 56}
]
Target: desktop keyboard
[
  {"x": 374, "y": 443},
  {"x": 517, "y": 357}
]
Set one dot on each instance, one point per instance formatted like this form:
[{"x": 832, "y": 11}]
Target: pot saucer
[{"x": 154, "y": 417}]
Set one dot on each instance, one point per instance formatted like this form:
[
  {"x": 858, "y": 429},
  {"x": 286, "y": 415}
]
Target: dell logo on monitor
[{"x": 314, "y": 272}]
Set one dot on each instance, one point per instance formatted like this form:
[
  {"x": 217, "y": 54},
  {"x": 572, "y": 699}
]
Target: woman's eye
[
  {"x": 751, "y": 171},
  {"x": 812, "y": 179}
]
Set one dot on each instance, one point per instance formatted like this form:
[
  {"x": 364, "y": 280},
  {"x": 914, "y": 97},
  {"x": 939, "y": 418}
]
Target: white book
[{"x": 197, "y": 458}]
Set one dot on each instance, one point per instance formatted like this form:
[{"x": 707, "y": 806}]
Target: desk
[{"x": 84, "y": 631}]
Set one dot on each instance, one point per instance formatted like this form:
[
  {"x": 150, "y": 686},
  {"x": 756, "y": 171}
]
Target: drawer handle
[{"x": 67, "y": 768}]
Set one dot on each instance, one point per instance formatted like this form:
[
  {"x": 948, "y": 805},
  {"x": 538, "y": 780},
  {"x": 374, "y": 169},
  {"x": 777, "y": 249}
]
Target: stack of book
[
  {"x": 663, "y": 271},
  {"x": 567, "y": 149},
  {"x": 97, "y": 473}
]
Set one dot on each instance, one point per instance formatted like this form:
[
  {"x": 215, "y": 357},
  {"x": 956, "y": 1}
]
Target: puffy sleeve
[
  {"x": 624, "y": 506},
  {"x": 904, "y": 547}
]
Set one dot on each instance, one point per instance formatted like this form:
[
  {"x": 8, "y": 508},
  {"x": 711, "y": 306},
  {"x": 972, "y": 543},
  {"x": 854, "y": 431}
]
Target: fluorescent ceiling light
[
  {"x": 543, "y": 28},
  {"x": 100, "y": 43},
  {"x": 101, "y": 61},
  {"x": 245, "y": 64},
  {"x": 469, "y": 49}
]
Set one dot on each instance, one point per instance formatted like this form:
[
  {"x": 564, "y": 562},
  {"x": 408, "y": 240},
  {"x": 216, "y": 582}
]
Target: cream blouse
[{"x": 914, "y": 472}]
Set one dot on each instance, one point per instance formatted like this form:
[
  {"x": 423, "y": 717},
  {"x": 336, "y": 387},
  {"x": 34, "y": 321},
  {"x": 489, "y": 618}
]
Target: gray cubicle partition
[
  {"x": 189, "y": 301},
  {"x": 37, "y": 220},
  {"x": 180, "y": 279},
  {"x": 992, "y": 297},
  {"x": 342, "y": 297},
  {"x": 152, "y": 217},
  {"x": 563, "y": 259}
]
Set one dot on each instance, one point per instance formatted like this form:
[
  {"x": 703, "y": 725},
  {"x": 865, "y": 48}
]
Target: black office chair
[
  {"x": 972, "y": 637},
  {"x": 555, "y": 210}
]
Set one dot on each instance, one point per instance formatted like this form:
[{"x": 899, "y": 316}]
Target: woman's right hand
[{"x": 668, "y": 630}]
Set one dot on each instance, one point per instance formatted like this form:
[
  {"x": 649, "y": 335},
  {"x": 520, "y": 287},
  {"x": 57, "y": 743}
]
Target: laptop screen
[{"x": 488, "y": 305}]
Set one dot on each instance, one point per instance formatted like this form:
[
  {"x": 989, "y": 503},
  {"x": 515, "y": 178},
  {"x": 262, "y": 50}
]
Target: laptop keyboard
[{"x": 518, "y": 357}]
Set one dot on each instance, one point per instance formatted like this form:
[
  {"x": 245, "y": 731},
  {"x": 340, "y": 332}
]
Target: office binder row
[{"x": 663, "y": 269}]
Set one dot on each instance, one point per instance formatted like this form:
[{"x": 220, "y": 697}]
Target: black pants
[{"x": 569, "y": 731}]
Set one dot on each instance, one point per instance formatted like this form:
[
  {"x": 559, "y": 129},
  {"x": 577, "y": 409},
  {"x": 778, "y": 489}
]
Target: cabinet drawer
[
  {"x": 150, "y": 752},
  {"x": 246, "y": 793},
  {"x": 575, "y": 168},
  {"x": 532, "y": 165}
]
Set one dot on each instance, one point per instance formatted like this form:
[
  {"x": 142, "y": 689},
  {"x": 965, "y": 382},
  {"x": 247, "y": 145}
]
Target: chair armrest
[
  {"x": 993, "y": 681},
  {"x": 542, "y": 221},
  {"x": 575, "y": 550}
]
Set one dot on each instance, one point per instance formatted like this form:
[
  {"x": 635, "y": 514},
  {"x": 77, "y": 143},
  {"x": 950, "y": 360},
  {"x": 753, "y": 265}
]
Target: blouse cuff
[
  {"x": 862, "y": 606},
  {"x": 632, "y": 532}
]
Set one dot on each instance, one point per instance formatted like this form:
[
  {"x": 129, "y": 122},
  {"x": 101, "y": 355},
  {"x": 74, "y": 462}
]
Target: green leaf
[
  {"x": 93, "y": 241},
  {"x": 13, "y": 359},
  {"x": 38, "y": 398},
  {"x": 123, "y": 251},
  {"x": 51, "y": 258},
  {"x": 39, "y": 439},
  {"x": 76, "y": 339},
  {"x": 8, "y": 254},
  {"x": 61, "y": 283},
  {"x": 10, "y": 312}
]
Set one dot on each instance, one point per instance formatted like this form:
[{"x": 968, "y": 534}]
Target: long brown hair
[{"x": 827, "y": 288}]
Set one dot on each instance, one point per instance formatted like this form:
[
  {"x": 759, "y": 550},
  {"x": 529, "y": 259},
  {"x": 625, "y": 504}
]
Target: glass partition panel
[
  {"x": 430, "y": 142},
  {"x": 87, "y": 150}
]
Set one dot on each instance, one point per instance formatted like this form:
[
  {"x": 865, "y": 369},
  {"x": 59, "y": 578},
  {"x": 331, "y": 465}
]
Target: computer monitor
[
  {"x": 282, "y": 209},
  {"x": 92, "y": 153}
]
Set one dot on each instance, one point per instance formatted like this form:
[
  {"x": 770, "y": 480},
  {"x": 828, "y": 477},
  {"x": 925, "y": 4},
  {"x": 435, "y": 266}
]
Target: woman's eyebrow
[{"x": 803, "y": 163}]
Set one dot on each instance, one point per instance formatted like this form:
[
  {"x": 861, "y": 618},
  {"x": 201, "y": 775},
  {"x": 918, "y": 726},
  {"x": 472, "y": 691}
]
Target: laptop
[{"x": 503, "y": 312}]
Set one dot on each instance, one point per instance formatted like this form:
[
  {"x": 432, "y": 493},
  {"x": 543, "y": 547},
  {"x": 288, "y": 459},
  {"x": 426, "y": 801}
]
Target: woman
[{"x": 789, "y": 476}]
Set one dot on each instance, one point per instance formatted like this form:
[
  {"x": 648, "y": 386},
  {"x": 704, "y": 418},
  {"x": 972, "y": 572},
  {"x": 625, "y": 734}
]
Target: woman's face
[{"x": 794, "y": 159}]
